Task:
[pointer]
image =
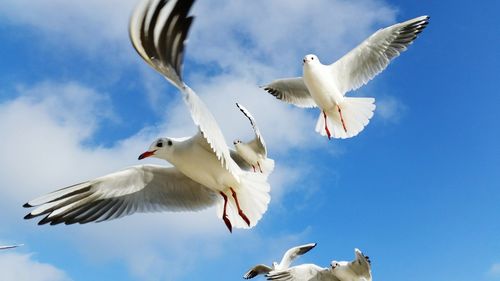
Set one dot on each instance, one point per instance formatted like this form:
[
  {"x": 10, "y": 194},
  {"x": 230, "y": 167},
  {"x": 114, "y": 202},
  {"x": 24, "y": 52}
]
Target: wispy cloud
[
  {"x": 494, "y": 270},
  {"x": 24, "y": 267}
]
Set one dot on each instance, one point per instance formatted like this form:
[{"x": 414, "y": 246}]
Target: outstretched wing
[
  {"x": 361, "y": 266},
  {"x": 257, "y": 270},
  {"x": 374, "y": 54},
  {"x": 158, "y": 31},
  {"x": 293, "y": 253},
  {"x": 291, "y": 90},
  {"x": 10, "y": 247},
  {"x": 147, "y": 188},
  {"x": 309, "y": 272},
  {"x": 258, "y": 144}
]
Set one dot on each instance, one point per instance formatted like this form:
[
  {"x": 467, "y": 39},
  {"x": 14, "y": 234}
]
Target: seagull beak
[{"x": 146, "y": 154}]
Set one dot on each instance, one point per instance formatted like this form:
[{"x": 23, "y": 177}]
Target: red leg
[
  {"x": 224, "y": 214},
  {"x": 253, "y": 168},
  {"x": 259, "y": 167},
  {"x": 240, "y": 212},
  {"x": 326, "y": 127},
  {"x": 342, "y": 119}
]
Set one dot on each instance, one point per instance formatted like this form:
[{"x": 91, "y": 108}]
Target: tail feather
[
  {"x": 267, "y": 166},
  {"x": 253, "y": 196},
  {"x": 356, "y": 114}
]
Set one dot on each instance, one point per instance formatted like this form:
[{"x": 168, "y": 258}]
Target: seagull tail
[
  {"x": 267, "y": 166},
  {"x": 253, "y": 197},
  {"x": 347, "y": 119}
]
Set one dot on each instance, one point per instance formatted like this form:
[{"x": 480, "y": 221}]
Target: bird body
[{"x": 326, "y": 86}]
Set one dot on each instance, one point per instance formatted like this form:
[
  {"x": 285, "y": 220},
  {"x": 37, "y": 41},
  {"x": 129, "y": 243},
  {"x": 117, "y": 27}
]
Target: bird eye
[
  {"x": 169, "y": 143},
  {"x": 159, "y": 144},
  {"x": 312, "y": 58}
]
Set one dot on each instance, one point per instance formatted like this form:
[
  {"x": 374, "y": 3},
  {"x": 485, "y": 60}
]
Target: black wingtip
[
  {"x": 29, "y": 216},
  {"x": 27, "y": 205}
]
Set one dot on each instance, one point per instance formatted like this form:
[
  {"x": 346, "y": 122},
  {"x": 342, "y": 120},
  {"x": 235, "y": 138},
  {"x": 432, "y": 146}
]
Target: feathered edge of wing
[
  {"x": 258, "y": 143},
  {"x": 373, "y": 55},
  {"x": 147, "y": 188},
  {"x": 361, "y": 264},
  {"x": 161, "y": 43},
  {"x": 295, "y": 252},
  {"x": 257, "y": 270},
  {"x": 291, "y": 90}
]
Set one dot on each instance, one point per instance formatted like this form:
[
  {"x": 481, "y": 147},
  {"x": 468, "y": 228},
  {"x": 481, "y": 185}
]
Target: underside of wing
[
  {"x": 293, "y": 253},
  {"x": 291, "y": 90},
  {"x": 147, "y": 188},
  {"x": 374, "y": 54},
  {"x": 257, "y": 270},
  {"x": 158, "y": 31}
]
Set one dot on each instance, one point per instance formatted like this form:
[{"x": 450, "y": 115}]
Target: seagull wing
[
  {"x": 240, "y": 161},
  {"x": 373, "y": 55},
  {"x": 257, "y": 270},
  {"x": 293, "y": 253},
  {"x": 10, "y": 247},
  {"x": 258, "y": 144},
  {"x": 291, "y": 90},
  {"x": 147, "y": 188},
  {"x": 158, "y": 31},
  {"x": 309, "y": 272},
  {"x": 361, "y": 266}
]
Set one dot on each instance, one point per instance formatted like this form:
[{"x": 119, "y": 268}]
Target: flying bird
[
  {"x": 203, "y": 172},
  {"x": 285, "y": 263},
  {"x": 325, "y": 86},
  {"x": 357, "y": 270},
  {"x": 254, "y": 152},
  {"x": 10, "y": 246}
]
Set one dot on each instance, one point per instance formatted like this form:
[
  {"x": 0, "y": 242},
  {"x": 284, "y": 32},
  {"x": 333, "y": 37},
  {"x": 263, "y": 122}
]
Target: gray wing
[
  {"x": 257, "y": 270},
  {"x": 147, "y": 188},
  {"x": 293, "y": 253},
  {"x": 374, "y": 54},
  {"x": 361, "y": 265},
  {"x": 291, "y": 90},
  {"x": 10, "y": 247},
  {"x": 258, "y": 144},
  {"x": 303, "y": 272}
]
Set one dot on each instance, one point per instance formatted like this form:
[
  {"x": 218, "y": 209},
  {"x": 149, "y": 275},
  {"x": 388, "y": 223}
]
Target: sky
[{"x": 418, "y": 190}]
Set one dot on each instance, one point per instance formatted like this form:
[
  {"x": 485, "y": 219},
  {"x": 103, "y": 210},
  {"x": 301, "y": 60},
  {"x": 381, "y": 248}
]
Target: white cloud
[
  {"x": 24, "y": 267},
  {"x": 390, "y": 108}
]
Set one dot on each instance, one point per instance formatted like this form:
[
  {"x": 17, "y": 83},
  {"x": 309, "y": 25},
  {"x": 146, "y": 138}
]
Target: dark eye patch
[
  {"x": 169, "y": 142},
  {"x": 159, "y": 144}
]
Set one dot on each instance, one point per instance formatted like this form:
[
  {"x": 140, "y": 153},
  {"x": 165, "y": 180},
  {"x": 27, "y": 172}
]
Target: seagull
[
  {"x": 254, "y": 152},
  {"x": 10, "y": 246},
  {"x": 357, "y": 270},
  {"x": 285, "y": 263},
  {"x": 325, "y": 86},
  {"x": 203, "y": 172}
]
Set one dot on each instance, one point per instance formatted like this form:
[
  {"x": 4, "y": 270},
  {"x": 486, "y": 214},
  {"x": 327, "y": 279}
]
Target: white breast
[{"x": 321, "y": 85}]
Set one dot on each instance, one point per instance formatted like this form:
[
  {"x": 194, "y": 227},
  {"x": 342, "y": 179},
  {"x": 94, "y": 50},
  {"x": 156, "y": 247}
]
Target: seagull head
[
  {"x": 334, "y": 264},
  {"x": 160, "y": 148},
  {"x": 310, "y": 59},
  {"x": 236, "y": 142}
]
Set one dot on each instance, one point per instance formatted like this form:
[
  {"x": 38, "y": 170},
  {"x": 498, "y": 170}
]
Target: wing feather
[
  {"x": 291, "y": 90},
  {"x": 146, "y": 188}
]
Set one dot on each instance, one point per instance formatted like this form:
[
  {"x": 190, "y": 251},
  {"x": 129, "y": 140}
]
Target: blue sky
[{"x": 417, "y": 190}]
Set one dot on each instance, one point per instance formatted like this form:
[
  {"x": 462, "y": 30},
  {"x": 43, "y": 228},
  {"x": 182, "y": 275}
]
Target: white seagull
[
  {"x": 254, "y": 152},
  {"x": 204, "y": 174},
  {"x": 357, "y": 270},
  {"x": 10, "y": 246},
  {"x": 285, "y": 263},
  {"x": 325, "y": 86}
]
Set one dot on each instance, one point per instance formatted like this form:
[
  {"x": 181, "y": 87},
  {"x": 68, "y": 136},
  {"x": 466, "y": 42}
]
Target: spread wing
[
  {"x": 374, "y": 54},
  {"x": 361, "y": 266},
  {"x": 147, "y": 188},
  {"x": 258, "y": 144},
  {"x": 293, "y": 253},
  {"x": 158, "y": 31},
  {"x": 257, "y": 270},
  {"x": 309, "y": 272},
  {"x": 291, "y": 90},
  {"x": 10, "y": 247}
]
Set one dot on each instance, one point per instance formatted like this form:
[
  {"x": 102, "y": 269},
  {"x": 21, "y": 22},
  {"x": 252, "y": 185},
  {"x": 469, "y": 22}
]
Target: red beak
[{"x": 147, "y": 154}]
